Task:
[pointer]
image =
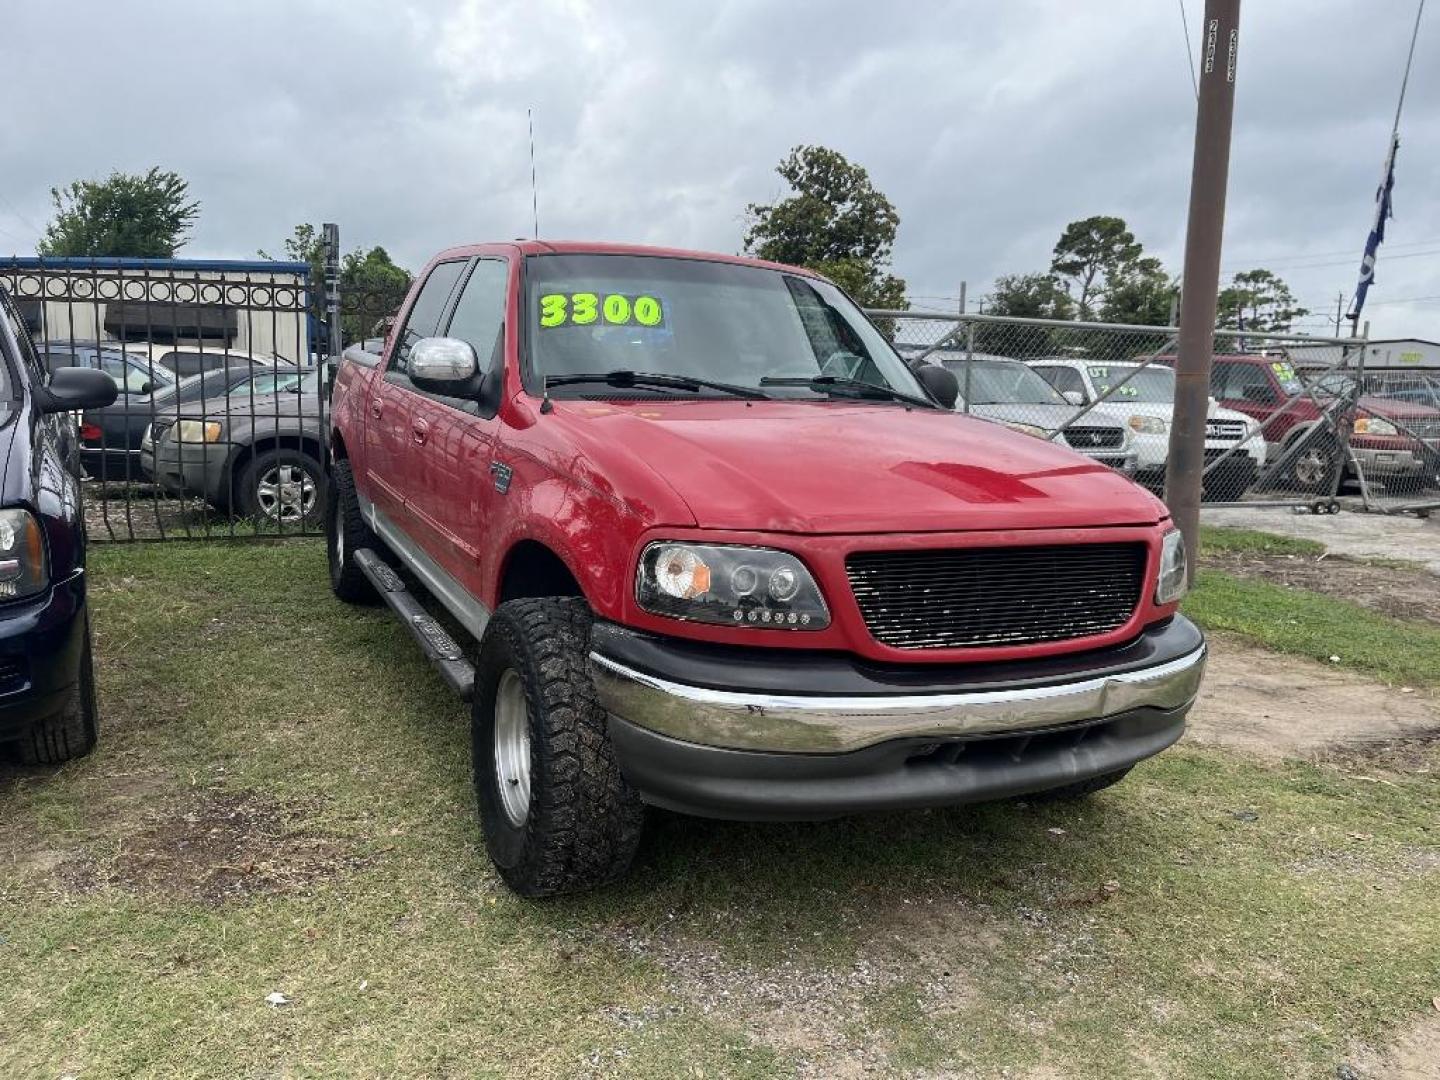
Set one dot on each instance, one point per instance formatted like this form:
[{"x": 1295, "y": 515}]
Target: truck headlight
[
  {"x": 729, "y": 585},
  {"x": 1171, "y": 582},
  {"x": 197, "y": 431},
  {"x": 1148, "y": 425},
  {"x": 1373, "y": 425},
  {"x": 23, "y": 571}
]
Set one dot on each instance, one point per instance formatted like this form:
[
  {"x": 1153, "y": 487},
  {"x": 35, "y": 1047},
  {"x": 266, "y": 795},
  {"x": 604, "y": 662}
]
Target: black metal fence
[{"x": 219, "y": 426}]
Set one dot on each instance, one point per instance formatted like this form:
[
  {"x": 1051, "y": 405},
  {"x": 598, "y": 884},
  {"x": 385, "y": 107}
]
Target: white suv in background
[{"x": 1147, "y": 400}]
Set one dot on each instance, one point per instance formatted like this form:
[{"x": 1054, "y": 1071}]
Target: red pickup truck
[{"x": 710, "y": 545}]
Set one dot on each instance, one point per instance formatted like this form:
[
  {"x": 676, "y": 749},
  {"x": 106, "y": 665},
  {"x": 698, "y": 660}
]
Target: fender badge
[{"x": 502, "y": 475}]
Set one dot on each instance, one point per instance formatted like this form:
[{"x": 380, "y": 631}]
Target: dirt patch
[
  {"x": 817, "y": 1013},
  {"x": 213, "y": 848},
  {"x": 1287, "y": 707},
  {"x": 1414, "y": 1055},
  {"x": 1398, "y": 591},
  {"x": 1365, "y": 536}
]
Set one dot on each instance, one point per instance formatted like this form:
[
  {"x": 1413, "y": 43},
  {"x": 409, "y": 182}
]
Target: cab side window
[
  {"x": 28, "y": 356},
  {"x": 424, "y": 318},
  {"x": 480, "y": 312}
]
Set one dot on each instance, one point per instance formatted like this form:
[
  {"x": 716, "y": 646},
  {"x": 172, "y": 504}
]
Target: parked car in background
[
  {"x": 1009, "y": 392},
  {"x": 185, "y": 360},
  {"x": 1269, "y": 390},
  {"x": 257, "y": 450},
  {"x": 721, "y": 551},
  {"x": 133, "y": 372},
  {"x": 47, "y": 679},
  {"x": 1146, "y": 398},
  {"x": 110, "y": 438}
]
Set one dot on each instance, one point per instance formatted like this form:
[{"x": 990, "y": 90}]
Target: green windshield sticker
[
  {"x": 1100, "y": 373},
  {"x": 1283, "y": 371},
  {"x": 584, "y": 308}
]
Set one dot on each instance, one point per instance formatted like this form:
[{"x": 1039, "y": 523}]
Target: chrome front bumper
[{"x": 834, "y": 724}]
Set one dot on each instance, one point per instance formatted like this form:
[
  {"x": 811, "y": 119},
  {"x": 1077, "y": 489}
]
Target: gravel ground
[{"x": 1369, "y": 536}]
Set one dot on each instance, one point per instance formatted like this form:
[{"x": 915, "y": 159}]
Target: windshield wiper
[
  {"x": 623, "y": 379},
  {"x": 827, "y": 382}
]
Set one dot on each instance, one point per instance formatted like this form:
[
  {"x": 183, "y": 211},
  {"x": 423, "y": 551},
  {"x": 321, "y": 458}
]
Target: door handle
[
  {"x": 376, "y": 408},
  {"x": 418, "y": 431}
]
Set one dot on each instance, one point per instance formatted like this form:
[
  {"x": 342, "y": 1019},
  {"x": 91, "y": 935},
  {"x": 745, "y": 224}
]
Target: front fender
[{"x": 592, "y": 535}]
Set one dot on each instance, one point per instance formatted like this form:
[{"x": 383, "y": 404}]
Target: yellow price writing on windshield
[{"x": 584, "y": 308}]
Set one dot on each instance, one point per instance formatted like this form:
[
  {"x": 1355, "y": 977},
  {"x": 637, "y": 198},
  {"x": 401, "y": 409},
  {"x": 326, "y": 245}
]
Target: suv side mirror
[
  {"x": 445, "y": 366},
  {"x": 939, "y": 382},
  {"x": 73, "y": 389}
]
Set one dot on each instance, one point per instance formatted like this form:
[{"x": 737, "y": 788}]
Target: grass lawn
[
  {"x": 281, "y": 804},
  {"x": 1401, "y": 651}
]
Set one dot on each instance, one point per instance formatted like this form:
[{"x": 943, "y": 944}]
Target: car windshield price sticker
[{"x": 614, "y": 309}]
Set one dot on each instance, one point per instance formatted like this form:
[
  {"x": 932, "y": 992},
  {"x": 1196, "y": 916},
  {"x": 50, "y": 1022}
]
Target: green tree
[
  {"x": 1029, "y": 296},
  {"x": 305, "y": 244},
  {"x": 1139, "y": 293},
  {"x": 128, "y": 214},
  {"x": 1089, "y": 255},
  {"x": 1259, "y": 300},
  {"x": 835, "y": 223}
]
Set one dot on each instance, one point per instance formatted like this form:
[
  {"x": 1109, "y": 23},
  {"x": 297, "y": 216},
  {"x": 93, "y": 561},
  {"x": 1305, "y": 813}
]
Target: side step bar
[{"x": 443, "y": 652}]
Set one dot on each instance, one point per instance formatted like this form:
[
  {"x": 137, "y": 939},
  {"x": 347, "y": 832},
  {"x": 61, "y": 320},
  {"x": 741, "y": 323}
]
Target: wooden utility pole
[{"x": 1185, "y": 465}]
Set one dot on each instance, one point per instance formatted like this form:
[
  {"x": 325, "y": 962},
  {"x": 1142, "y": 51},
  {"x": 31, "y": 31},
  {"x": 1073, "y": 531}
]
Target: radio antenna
[{"x": 534, "y": 195}]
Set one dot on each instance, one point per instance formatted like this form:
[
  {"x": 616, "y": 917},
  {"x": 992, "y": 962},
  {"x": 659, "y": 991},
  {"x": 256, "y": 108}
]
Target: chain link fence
[{"x": 1292, "y": 420}]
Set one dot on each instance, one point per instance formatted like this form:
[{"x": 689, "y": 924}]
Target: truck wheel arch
[{"x": 532, "y": 570}]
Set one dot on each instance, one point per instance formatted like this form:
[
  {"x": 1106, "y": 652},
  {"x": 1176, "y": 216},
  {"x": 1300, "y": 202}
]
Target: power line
[{"x": 1189, "y": 50}]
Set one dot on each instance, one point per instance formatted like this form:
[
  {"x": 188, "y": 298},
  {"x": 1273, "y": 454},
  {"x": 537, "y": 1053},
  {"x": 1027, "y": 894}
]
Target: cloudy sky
[{"x": 988, "y": 124}]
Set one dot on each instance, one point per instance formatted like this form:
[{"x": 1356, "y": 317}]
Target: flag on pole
[{"x": 1383, "y": 212}]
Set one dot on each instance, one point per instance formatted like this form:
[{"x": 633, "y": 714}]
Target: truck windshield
[
  {"x": 1003, "y": 382},
  {"x": 593, "y": 314},
  {"x": 1152, "y": 385}
]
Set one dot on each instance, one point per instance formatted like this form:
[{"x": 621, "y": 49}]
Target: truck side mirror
[
  {"x": 445, "y": 366},
  {"x": 939, "y": 382},
  {"x": 72, "y": 389}
]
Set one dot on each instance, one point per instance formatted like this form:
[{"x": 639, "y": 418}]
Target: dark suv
[{"x": 47, "y": 689}]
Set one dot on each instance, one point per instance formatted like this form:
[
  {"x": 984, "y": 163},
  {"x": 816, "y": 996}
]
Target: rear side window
[
  {"x": 480, "y": 312},
  {"x": 424, "y": 318}
]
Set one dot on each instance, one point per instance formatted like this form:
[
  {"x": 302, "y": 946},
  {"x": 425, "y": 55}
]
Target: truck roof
[{"x": 600, "y": 247}]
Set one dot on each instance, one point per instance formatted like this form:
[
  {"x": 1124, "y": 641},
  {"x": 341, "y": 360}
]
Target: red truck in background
[
  {"x": 717, "y": 549},
  {"x": 1395, "y": 442}
]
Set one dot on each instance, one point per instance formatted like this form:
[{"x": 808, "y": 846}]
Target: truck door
[
  {"x": 455, "y": 495},
  {"x": 389, "y": 436}
]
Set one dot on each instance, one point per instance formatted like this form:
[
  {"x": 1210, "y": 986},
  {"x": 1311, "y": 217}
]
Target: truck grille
[
  {"x": 1094, "y": 438},
  {"x": 1229, "y": 430},
  {"x": 966, "y": 598}
]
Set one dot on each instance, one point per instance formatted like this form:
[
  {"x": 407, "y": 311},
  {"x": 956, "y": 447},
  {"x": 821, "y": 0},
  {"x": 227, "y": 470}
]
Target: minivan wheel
[
  {"x": 346, "y": 533},
  {"x": 556, "y": 812},
  {"x": 72, "y": 732},
  {"x": 281, "y": 486}
]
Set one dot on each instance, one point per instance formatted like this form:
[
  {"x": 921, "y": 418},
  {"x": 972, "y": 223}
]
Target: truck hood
[{"x": 843, "y": 467}]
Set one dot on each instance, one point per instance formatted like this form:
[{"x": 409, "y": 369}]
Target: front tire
[
  {"x": 281, "y": 487},
  {"x": 72, "y": 732},
  {"x": 556, "y": 812},
  {"x": 1315, "y": 466},
  {"x": 345, "y": 534}
]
